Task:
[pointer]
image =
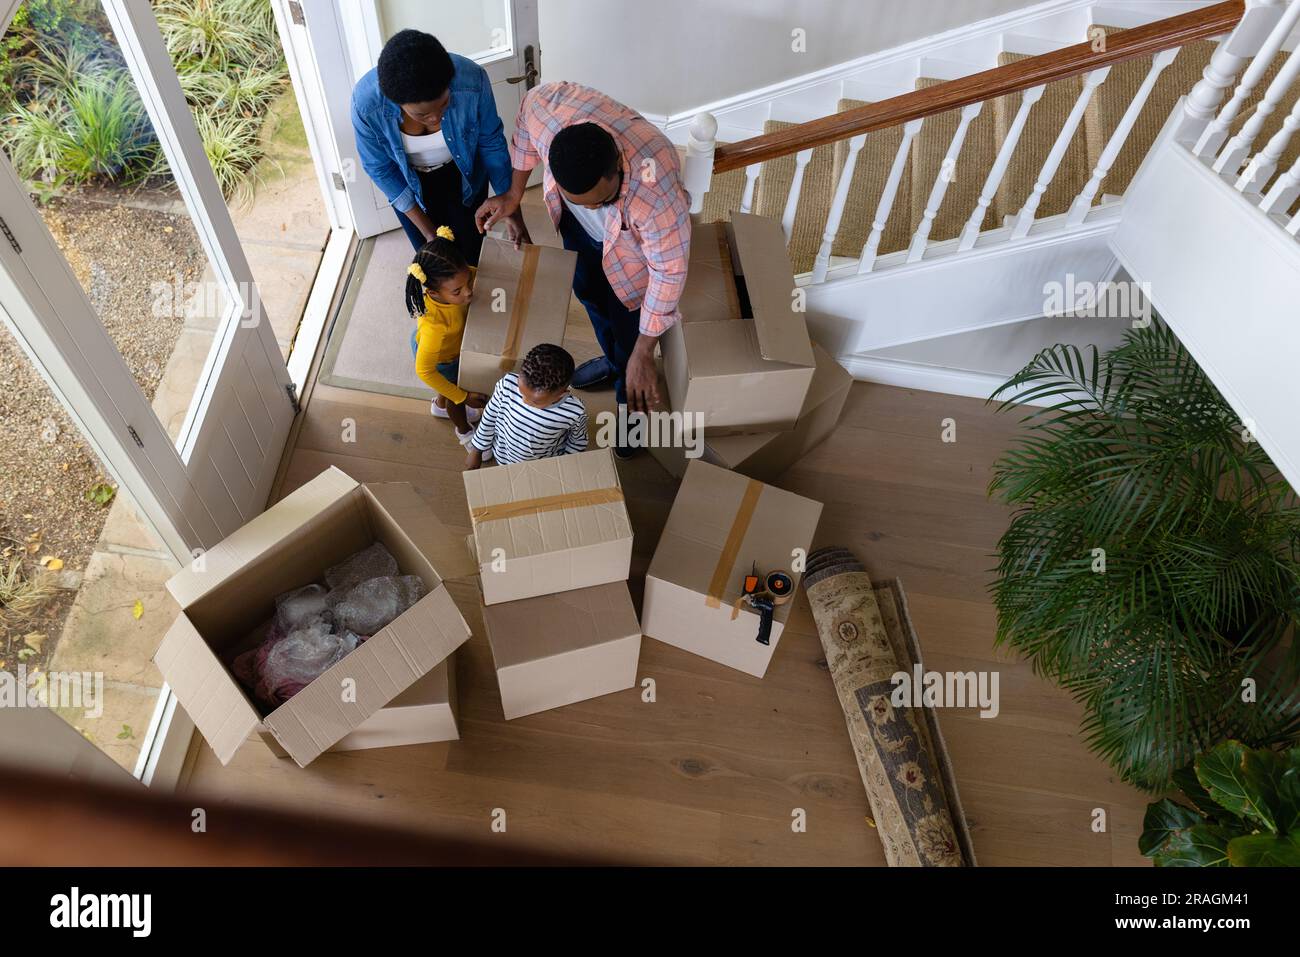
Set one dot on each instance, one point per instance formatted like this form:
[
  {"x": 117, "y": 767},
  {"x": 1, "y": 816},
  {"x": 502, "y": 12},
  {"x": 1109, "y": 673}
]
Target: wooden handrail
[{"x": 1033, "y": 71}]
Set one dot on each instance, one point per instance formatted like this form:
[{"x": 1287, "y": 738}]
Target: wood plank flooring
[{"x": 711, "y": 771}]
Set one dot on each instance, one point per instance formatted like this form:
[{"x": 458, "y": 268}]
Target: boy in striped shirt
[{"x": 532, "y": 414}]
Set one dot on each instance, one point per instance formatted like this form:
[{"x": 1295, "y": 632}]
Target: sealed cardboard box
[
  {"x": 521, "y": 299},
  {"x": 555, "y": 650},
  {"x": 549, "y": 525},
  {"x": 740, "y": 359},
  {"x": 766, "y": 455},
  {"x": 722, "y": 526},
  {"x": 227, "y": 599},
  {"x": 423, "y": 713}
]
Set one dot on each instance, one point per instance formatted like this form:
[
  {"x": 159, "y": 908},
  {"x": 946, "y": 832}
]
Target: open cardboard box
[
  {"x": 766, "y": 455},
  {"x": 227, "y": 599},
  {"x": 740, "y": 359},
  {"x": 521, "y": 299}
]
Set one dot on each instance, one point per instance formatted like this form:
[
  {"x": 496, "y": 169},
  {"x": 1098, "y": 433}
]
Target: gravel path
[{"x": 117, "y": 253}]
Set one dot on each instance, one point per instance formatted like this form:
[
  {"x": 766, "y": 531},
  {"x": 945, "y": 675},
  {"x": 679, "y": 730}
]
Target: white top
[
  {"x": 592, "y": 220},
  {"x": 428, "y": 149}
]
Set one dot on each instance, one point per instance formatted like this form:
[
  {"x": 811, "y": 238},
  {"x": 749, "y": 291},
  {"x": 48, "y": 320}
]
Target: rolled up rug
[{"x": 868, "y": 637}]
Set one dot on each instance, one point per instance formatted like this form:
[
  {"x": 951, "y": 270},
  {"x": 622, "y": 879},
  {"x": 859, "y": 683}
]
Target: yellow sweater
[{"x": 438, "y": 334}]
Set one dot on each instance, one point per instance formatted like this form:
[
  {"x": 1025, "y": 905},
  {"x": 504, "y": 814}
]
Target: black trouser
[
  {"x": 616, "y": 326},
  {"x": 442, "y": 204}
]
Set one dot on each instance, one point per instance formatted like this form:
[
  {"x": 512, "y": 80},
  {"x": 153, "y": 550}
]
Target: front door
[
  {"x": 346, "y": 40},
  {"x": 201, "y": 461}
]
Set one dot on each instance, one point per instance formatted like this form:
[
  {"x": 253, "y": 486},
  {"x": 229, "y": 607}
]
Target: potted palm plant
[{"x": 1151, "y": 565}]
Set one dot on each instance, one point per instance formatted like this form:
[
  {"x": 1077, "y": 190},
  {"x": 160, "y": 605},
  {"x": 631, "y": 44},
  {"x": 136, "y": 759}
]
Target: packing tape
[
  {"x": 722, "y": 572},
  {"x": 519, "y": 310},
  {"x": 546, "y": 503}
]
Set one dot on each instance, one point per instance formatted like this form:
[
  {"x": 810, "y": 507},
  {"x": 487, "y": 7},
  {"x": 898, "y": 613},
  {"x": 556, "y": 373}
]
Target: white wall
[{"x": 668, "y": 56}]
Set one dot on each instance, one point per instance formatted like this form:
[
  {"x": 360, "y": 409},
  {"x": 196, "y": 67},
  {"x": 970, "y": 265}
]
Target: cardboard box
[
  {"x": 521, "y": 299},
  {"x": 741, "y": 357},
  {"x": 548, "y": 526},
  {"x": 557, "y": 649},
  {"x": 227, "y": 604},
  {"x": 720, "y": 526},
  {"x": 766, "y": 455},
  {"x": 423, "y": 713}
]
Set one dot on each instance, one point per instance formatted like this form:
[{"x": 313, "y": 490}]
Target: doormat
[{"x": 370, "y": 342}]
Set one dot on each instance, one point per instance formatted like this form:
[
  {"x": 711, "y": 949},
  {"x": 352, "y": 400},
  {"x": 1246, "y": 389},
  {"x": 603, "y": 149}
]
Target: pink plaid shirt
[{"x": 647, "y": 248}]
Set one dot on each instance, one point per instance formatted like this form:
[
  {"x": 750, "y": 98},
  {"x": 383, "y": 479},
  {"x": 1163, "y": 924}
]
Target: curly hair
[
  {"x": 547, "y": 368},
  {"x": 414, "y": 68},
  {"x": 438, "y": 260},
  {"x": 581, "y": 155}
]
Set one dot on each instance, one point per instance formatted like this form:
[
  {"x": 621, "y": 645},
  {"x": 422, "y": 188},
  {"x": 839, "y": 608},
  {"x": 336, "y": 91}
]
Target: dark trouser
[
  {"x": 616, "y": 326},
  {"x": 442, "y": 203}
]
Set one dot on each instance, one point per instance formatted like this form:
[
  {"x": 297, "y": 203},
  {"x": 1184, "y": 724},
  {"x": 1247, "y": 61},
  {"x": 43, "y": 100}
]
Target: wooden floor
[{"x": 711, "y": 771}]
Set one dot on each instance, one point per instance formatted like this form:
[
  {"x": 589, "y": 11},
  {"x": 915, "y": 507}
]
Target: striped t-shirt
[{"x": 517, "y": 432}]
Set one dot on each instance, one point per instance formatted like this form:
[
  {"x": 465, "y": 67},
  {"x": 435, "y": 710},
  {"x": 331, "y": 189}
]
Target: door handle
[{"x": 531, "y": 74}]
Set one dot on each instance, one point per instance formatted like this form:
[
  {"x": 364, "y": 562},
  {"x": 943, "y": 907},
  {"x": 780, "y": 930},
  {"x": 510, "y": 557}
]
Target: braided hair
[
  {"x": 438, "y": 260},
  {"x": 547, "y": 367}
]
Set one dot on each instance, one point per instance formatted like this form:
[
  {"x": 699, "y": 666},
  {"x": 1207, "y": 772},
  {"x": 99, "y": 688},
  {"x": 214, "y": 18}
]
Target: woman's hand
[
  {"x": 475, "y": 400},
  {"x": 517, "y": 229}
]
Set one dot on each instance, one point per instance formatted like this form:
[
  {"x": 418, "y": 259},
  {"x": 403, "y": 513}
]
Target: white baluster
[
  {"x": 1083, "y": 202},
  {"x": 1283, "y": 192},
  {"x": 792, "y": 201},
  {"x": 867, "y": 261},
  {"x": 1025, "y": 218},
  {"x": 1250, "y": 35},
  {"x": 946, "y": 175},
  {"x": 1264, "y": 163},
  {"x": 751, "y": 177},
  {"x": 994, "y": 180},
  {"x": 823, "y": 260},
  {"x": 697, "y": 168},
  {"x": 1293, "y": 227},
  {"x": 1217, "y": 131},
  {"x": 1238, "y": 148}
]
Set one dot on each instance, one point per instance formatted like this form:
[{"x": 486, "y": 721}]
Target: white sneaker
[
  {"x": 438, "y": 411},
  {"x": 472, "y": 414},
  {"x": 464, "y": 438}
]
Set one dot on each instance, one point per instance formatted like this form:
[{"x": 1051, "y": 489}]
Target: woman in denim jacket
[{"x": 429, "y": 136}]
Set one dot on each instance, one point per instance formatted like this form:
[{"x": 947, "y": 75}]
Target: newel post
[
  {"x": 1231, "y": 55},
  {"x": 697, "y": 168}
]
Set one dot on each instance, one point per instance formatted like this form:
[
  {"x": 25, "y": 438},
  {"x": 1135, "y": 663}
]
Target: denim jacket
[{"x": 471, "y": 127}]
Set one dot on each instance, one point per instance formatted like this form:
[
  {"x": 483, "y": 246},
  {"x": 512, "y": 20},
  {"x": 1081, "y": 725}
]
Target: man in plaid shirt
[{"x": 612, "y": 184}]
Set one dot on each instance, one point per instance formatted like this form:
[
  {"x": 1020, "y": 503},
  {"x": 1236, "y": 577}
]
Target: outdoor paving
[{"x": 284, "y": 232}]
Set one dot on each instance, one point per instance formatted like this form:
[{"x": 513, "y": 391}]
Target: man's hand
[
  {"x": 475, "y": 400},
  {"x": 495, "y": 209},
  {"x": 642, "y": 381},
  {"x": 473, "y": 460}
]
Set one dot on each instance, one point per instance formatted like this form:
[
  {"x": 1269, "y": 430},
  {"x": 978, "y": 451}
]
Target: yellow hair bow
[
  {"x": 415, "y": 270},
  {"x": 444, "y": 232}
]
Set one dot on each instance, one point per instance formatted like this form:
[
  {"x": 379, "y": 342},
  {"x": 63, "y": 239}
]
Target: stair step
[
  {"x": 774, "y": 181},
  {"x": 869, "y": 174},
  {"x": 1036, "y": 141},
  {"x": 938, "y": 69},
  {"x": 1028, "y": 45},
  {"x": 976, "y": 158}
]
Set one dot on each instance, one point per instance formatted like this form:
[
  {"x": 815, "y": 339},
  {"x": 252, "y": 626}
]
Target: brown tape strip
[
  {"x": 546, "y": 503},
  {"x": 519, "y": 310},
  {"x": 722, "y": 572}
]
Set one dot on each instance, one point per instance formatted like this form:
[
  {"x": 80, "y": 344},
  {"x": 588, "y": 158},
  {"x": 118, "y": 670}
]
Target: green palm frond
[{"x": 1134, "y": 457}]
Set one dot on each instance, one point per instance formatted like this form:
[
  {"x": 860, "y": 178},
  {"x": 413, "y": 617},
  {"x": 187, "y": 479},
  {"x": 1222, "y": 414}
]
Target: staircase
[{"x": 931, "y": 196}]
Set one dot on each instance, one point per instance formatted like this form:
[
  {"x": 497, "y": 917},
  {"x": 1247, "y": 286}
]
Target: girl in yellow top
[{"x": 439, "y": 287}]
